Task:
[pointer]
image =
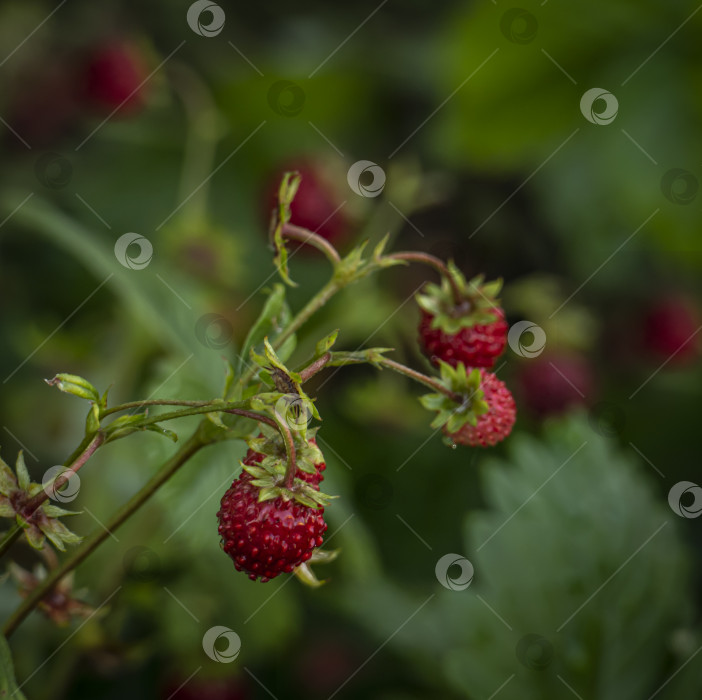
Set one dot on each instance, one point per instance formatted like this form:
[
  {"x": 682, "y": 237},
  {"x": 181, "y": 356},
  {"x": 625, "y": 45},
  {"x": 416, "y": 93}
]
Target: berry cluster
[{"x": 463, "y": 325}]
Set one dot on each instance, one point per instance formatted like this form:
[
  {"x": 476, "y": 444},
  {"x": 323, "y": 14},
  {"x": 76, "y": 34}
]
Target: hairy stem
[
  {"x": 432, "y": 261},
  {"x": 152, "y": 402},
  {"x": 188, "y": 449},
  {"x": 314, "y": 367},
  {"x": 420, "y": 377},
  {"x": 297, "y": 233}
]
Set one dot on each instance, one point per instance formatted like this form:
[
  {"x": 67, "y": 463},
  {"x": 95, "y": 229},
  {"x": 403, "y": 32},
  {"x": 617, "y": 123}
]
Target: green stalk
[{"x": 197, "y": 441}]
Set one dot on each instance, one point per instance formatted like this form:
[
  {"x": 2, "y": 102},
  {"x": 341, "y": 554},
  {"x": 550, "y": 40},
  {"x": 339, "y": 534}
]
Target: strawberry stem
[
  {"x": 420, "y": 377},
  {"x": 432, "y": 261},
  {"x": 297, "y": 233},
  {"x": 314, "y": 367}
]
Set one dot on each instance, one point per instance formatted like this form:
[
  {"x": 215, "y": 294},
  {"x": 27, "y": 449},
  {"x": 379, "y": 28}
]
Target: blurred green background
[{"x": 586, "y": 581}]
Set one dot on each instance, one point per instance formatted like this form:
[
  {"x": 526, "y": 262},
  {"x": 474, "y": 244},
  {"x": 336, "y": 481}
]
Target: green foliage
[{"x": 8, "y": 684}]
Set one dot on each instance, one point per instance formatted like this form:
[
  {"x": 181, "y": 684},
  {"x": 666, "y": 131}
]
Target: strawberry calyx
[
  {"x": 452, "y": 415},
  {"x": 477, "y": 303}
]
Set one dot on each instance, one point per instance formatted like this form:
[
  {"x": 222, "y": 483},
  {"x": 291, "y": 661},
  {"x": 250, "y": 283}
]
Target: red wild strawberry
[
  {"x": 470, "y": 329},
  {"x": 114, "y": 74},
  {"x": 477, "y": 409},
  {"x": 671, "y": 328},
  {"x": 494, "y": 425},
  {"x": 550, "y": 384},
  {"x": 268, "y": 537}
]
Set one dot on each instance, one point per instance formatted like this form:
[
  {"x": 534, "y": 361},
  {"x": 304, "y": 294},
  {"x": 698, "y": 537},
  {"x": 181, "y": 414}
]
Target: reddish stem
[{"x": 432, "y": 261}]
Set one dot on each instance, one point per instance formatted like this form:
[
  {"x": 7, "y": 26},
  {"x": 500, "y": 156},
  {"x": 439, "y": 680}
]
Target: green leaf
[
  {"x": 170, "y": 434},
  {"x": 8, "y": 683},
  {"x": 22, "y": 474},
  {"x": 8, "y": 480},
  {"x": 92, "y": 422},
  {"x": 75, "y": 385},
  {"x": 281, "y": 216}
]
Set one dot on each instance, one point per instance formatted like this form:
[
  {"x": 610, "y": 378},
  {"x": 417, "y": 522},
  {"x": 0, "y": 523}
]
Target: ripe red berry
[
  {"x": 493, "y": 426},
  {"x": 671, "y": 330},
  {"x": 114, "y": 74},
  {"x": 550, "y": 384},
  {"x": 475, "y": 346},
  {"x": 317, "y": 205},
  {"x": 268, "y": 538}
]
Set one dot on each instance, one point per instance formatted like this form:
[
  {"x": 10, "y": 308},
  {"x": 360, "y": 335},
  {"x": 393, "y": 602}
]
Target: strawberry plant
[{"x": 271, "y": 518}]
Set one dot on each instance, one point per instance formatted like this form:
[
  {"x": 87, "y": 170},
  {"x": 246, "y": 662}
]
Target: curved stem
[
  {"x": 432, "y": 261},
  {"x": 10, "y": 538},
  {"x": 297, "y": 233},
  {"x": 71, "y": 468},
  {"x": 254, "y": 416},
  {"x": 189, "y": 448},
  {"x": 152, "y": 402},
  {"x": 419, "y": 377}
]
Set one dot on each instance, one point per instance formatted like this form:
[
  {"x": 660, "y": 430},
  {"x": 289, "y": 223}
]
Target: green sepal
[
  {"x": 324, "y": 556},
  {"x": 73, "y": 384},
  {"x": 23, "y": 479},
  {"x": 451, "y": 415},
  {"x": 58, "y": 534},
  {"x": 53, "y": 511},
  {"x": 268, "y": 493},
  {"x": 325, "y": 344},
  {"x": 8, "y": 480},
  {"x": 34, "y": 535},
  {"x": 305, "y": 574},
  {"x": 6, "y": 509},
  {"x": 170, "y": 434},
  {"x": 479, "y": 299},
  {"x": 281, "y": 216}
]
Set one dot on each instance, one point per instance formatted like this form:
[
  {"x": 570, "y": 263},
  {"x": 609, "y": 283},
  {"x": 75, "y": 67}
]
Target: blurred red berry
[
  {"x": 671, "y": 330},
  {"x": 113, "y": 75},
  {"x": 550, "y": 384},
  {"x": 317, "y": 205}
]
